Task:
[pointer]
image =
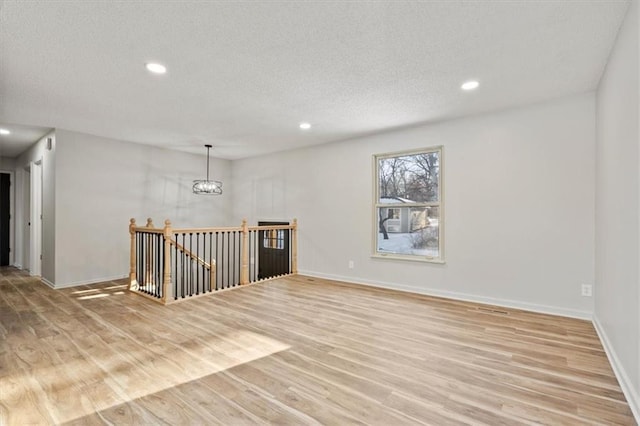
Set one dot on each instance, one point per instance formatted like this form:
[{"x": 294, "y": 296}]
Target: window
[
  {"x": 274, "y": 239},
  {"x": 408, "y": 221}
]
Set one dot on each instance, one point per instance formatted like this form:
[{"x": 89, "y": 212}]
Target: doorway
[
  {"x": 26, "y": 220},
  {"x": 32, "y": 230},
  {"x": 5, "y": 218},
  {"x": 273, "y": 251}
]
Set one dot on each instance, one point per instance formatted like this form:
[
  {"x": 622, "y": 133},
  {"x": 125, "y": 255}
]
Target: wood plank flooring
[{"x": 293, "y": 351}]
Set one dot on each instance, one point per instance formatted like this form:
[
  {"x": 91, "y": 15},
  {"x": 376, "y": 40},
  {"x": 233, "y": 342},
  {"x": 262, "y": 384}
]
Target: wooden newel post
[
  {"x": 147, "y": 262},
  {"x": 294, "y": 248},
  {"x": 132, "y": 262},
  {"x": 166, "y": 279},
  {"x": 244, "y": 272}
]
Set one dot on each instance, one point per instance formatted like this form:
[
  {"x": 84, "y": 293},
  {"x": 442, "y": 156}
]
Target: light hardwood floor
[{"x": 292, "y": 351}]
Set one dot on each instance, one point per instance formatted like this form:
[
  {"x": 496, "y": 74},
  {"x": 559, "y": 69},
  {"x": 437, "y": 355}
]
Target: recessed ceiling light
[
  {"x": 470, "y": 85},
  {"x": 4, "y": 132},
  {"x": 156, "y": 68},
  {"x": 305, "y": 126}
]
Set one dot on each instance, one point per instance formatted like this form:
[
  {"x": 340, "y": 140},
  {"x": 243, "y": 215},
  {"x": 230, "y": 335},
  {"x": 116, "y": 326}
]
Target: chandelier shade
[{"x": 206, "y": 186}]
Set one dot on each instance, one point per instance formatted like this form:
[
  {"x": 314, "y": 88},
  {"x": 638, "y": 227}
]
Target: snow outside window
[{"x": 408, "y": 220}]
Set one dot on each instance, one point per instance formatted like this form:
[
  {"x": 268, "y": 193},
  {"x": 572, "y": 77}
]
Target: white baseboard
[
  {"x": 632, "y": 395},
  {"x": 544, "y": 309},
  {"x": 86, "y": 282},
  {"x": 17, "y": 265},
  {"x": 47, "y": 282}
]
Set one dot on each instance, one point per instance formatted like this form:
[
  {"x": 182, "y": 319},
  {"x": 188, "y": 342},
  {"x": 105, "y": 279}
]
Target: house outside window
[
  {"x": 408, "y": 222},
  {"x": 273, "y": 239}
]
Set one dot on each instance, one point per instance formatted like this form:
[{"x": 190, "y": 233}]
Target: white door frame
[
  {"x": 26, "y": 219},
  {"x": 35, "y": 234}
]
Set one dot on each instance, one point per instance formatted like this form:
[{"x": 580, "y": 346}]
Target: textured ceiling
[
  {"x": 243, "y": 75},
  {"x": 20, "y": 139}
]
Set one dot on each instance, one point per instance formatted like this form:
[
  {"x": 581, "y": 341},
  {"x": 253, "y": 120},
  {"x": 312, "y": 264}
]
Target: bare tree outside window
[{"x": 408, "y": 204}]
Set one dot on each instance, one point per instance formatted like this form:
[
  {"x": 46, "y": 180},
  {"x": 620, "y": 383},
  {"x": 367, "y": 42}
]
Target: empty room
[{"x": 319, "y": 212}]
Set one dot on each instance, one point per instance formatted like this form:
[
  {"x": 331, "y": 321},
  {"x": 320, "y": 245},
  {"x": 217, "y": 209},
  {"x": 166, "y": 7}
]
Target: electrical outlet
[
  {"x": 587, "y": 290},
  {"x": 351, "y": 264}
]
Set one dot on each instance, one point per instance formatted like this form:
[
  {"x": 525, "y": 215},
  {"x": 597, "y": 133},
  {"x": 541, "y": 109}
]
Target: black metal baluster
[
  {"x": 256, "y": 255},
  {"x": 222, "y": 260},
  {"x": 253, "y": 254},
  {"x": 140, "y": 260},
  {"x": 217, "y": 268},
  {"x": 290, "y": 252},
  {"x": 270, "y": 255},
  {"x": 202, "y": 267},
  {"x": 144, "y": 260},
  {"x": 143, "y": 267},
  {"x": 184, "y": 274},
  {"x": 138, "y": 257},
  {"x": 196, "y": 265},
  {"x": 280, "y": 251},
  {"x": 154, "y": 256},
  {"x": 233, "y": 256},
  {"x": 203, "y": 256},
  {"x": 154, "y": 264},
  {"x": 154, "y": 239},
  {"x": 210, "y": 259},
  {"x": 190, "y": 286},
  {"x": 150, "y": 260},
  {"x": 159, "y": 239},
  {"x": 159, "y": 264}
]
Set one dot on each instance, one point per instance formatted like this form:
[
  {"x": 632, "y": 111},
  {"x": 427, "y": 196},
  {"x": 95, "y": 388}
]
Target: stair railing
[{"x": 169, "y": 265}]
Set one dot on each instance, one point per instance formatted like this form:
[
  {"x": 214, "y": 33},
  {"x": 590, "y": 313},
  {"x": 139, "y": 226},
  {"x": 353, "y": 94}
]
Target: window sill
[{"x": 409, "y": 258}]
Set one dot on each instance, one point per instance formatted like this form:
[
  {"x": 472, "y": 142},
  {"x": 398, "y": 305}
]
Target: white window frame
[{"x": 440, "y": 204}]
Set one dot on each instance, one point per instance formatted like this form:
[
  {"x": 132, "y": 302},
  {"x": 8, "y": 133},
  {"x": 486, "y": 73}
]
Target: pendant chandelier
[{"x": 207, "y": 187}]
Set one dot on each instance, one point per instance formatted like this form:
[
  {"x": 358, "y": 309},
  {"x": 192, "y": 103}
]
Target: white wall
[
  {"x": 38, "y": 152},
  {"x": 102, "y": 183},
  {"x": 519, "y": 206},
  {"x": 7, "y": 164},
  {"x": 617, "y": 307}
]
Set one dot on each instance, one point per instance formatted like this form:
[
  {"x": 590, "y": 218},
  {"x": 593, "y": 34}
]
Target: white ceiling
[
  {"x": 21, "y": 138},
  {"x": 243, "y": 75}
]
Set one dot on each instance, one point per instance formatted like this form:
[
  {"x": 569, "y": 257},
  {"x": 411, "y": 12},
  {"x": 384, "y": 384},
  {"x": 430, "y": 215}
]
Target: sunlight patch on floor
[
  {"x": 99, "y": 292},
  {"x": 91, "y": 290},
  {"x": 94, "y": 296},
  {"x": 153, "y": 368}
]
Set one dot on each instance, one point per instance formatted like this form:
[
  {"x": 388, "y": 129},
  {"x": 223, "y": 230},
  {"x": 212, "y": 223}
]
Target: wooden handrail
[
  {"x": 204, "y": 230},
  {"x": 190, "y": 254},
  {"x": 150, "y": 230},
  {"x": 223, "y": 229},
  {"x": 270, "y": 227}
]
